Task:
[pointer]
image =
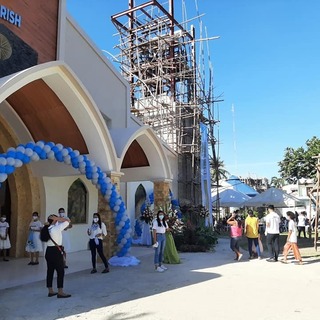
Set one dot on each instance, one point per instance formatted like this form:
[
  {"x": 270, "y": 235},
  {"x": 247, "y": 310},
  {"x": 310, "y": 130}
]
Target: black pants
[
  {"x": 273, "y": 245},
  {"x": 94, "y": 249},
  {"x": 54, "y": 260},
  {"x": 303, "y": 230}
]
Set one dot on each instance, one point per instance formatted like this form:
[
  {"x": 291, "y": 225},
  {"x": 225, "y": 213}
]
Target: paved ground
[{"x": 204, "y": 286}]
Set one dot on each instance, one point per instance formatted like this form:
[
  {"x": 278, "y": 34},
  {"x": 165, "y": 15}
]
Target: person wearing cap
[
  {"x": 251, "y": 230},
  {"x": 272, "y": 232}
]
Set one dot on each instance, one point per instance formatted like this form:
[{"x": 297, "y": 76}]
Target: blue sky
[{"x": 266, "y": 65}]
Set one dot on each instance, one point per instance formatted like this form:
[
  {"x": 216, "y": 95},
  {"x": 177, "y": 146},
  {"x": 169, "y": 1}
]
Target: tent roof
[
  {"x": 230, "y": 198},
  {"x": 274, "y": 196},
  {"x": 240, "y": 186}
]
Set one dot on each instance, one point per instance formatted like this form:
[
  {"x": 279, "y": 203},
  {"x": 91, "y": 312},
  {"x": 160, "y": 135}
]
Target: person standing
[
  {"x": 34, "y": 244},
  {"x": 159, "y": 228},
  {"x": 170, "y": 254},
  {"x": 302, "y": 224},
  {"x": 292, "y": 240},
  {"x": 65, "y": 236},
  {"x": 96, "y": 232},
  {"x": 4, "y": 237},
  {"x": 235, "y": 233},
  {"x": 52, "y": 234},
  {"x": 252, "y": 233},
  {"x": 272, "y": 231}
]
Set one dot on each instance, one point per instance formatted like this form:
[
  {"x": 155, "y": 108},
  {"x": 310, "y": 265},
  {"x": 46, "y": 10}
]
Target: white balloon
[
  {"x": 120, "y": 245},
  {"x": 67, "y": 159},
  {"x": 130, "y": 230},
  {"x": 11, "y": 149},
  {"x": 3, "y": 161},
  {"x": 108, "y": 192},
  {"x": 46, "y": 148},
  {"x": 82, "y": 164},
  {"x": 59, "y": 146},
  {"x": 76, "y": 153},
  {"x": 29, "y": 152},
  {"x": 21, "y": 149},
  {"x": 123, "y": 240},
  {"x": 18, "y": 163},
  {"x": 121, "y": 223},
  {"x": 109, "y": 186},
  {"x": 40, "y": 144},
  {"x": 3, "y": 177},
  {"x": 116, "y": 208},
  {"x": 118, "y": 228},
  {"x": 11, "y": 161},
  {"x": 124, "y": 218},
  {"x": 80, "y": 158},
  {"x": 127, "y": 235},
  {"x": 94, "y": 181},
  {"x": 95, "y": 175},
  {"x": 50, "y": 155},
  {"x": 118, "y": 202},
  {"x": 35, "y": 157},
  {"x": 82, "y": 170},
  {"x": 64, "y": 152}
]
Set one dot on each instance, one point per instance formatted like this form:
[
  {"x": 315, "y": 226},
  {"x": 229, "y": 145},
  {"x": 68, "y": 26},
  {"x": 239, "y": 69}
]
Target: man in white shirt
[{"x": 272, "y": 220}]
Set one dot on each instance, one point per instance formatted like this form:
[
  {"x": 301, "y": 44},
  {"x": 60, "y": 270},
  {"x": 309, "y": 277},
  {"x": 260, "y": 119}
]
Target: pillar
[
  {"x": 161, "y": 191},
  {"x": 109, "y": 244}
]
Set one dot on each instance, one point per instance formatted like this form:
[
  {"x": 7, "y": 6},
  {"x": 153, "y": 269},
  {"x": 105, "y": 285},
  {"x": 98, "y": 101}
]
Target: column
[{"x": 161, "y": 191}]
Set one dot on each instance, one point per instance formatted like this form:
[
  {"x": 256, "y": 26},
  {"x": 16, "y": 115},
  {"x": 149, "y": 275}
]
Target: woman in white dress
[
  {"x": 34, "y": 244},
  {"x": 4, "y": 237}
]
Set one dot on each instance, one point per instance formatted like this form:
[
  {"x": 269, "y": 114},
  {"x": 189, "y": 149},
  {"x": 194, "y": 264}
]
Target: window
[{"x": 77, "y": 202}]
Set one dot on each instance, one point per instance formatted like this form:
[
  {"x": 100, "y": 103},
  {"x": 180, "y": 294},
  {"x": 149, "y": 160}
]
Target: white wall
[
  {"x": 105, "y": 84},
  {"x": 56, "y": 196}
]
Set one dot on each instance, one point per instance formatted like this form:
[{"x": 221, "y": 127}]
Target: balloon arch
[{"x": 25, "y": 153}]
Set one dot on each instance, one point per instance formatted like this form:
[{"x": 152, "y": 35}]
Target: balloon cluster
[{"x": 25, "y": 153}]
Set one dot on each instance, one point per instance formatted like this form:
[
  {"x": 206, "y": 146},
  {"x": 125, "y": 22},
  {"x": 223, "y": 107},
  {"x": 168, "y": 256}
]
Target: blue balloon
[
  {"x": 26, "y": 159},
  {"x": 2, "y": 169},
  {"x": 9, "y": 169},
  {"x": 19, "y": 155},
  {"x": 11, "y": 154},
  {"x": 43, "y": 155},
  {"x": 30, "y": 145},
  {"x": 37, "y": 150}
]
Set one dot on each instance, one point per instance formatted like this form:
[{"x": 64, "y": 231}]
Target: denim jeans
[
  {"x": 256, "y": 243},
  {"x": 158, "y": 252}
]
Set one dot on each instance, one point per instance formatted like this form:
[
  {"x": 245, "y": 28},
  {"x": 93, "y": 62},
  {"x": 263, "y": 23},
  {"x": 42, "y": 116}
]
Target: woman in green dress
[{"x": 171, "y": 255}]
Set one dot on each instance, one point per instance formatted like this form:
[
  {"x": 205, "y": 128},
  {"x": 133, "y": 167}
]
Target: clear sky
[{"x": 266, "y": 65}]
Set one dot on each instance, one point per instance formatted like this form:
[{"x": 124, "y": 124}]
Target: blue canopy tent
[
  {"x": 230, "y": 198},
  {"x": 240, "y": 186}
]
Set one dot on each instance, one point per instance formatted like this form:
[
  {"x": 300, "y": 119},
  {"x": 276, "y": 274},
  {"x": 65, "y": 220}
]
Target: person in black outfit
[
  {"x": 96, "y": 232},
  {"x": 52, "y": 234}
]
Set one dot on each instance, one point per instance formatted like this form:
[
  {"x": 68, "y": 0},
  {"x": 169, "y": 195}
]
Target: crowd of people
[{"x": 249, "y": 227}]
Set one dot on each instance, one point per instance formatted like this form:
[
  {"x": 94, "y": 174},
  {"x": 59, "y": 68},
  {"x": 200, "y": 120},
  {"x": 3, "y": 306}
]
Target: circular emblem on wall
[{"x": 5, "y": 48}]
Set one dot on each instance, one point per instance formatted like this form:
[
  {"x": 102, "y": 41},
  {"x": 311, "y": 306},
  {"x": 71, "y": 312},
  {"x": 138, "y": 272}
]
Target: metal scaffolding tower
[{"x": 158, "y": 56}]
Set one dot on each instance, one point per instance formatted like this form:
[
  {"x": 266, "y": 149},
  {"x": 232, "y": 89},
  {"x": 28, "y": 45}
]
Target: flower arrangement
[{"x": 147, "y": 215}]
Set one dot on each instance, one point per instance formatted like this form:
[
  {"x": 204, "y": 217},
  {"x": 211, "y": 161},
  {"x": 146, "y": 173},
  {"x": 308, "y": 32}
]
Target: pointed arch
[{"x": 78, "y": 202}]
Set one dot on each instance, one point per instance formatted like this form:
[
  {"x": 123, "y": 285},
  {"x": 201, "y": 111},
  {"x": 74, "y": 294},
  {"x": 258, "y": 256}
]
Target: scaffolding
[{"x": 158, "y": 56}]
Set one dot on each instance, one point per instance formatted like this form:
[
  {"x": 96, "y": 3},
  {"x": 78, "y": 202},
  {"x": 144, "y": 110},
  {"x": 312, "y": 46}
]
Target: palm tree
[
  {"x": 217, "y": 171},
  {"x": 277, "y": 182}
]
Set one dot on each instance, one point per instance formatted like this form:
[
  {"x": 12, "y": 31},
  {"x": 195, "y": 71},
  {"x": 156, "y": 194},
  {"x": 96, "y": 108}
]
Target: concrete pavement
[{"x": 204, "y": 286}]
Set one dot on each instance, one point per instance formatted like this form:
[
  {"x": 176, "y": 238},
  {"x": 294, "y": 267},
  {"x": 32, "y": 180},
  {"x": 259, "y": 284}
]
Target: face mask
[
  {"x": 35, "y": 217},
  {"x": 161, "y": 216},
  {"x": 95, "y": 220},
  {"x": 3, "y": 219},
  {"x": 62, "y": 214}
]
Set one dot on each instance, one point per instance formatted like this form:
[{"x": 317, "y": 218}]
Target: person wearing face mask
[
  {"x": 96, "y": 232},
  {"x": 159, "y": 228},
  {"x": 34, "y": 244},
  {"x": 65, "y": 236},
  {"x": 4, "y": 237},
  {"x": 52, "y": 234}
]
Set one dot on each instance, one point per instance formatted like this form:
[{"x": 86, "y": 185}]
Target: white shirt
[
  {"x": 273, "y": 220},
  {"x": 55, "y": 231},
  {"x": 158, "y": 229},
  {"x": 292, "y": 227},
  {"x": 301, "y": 220},
  {"x": 95, "y": 229}
]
